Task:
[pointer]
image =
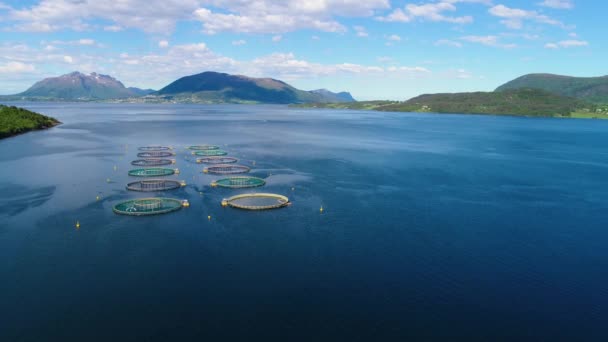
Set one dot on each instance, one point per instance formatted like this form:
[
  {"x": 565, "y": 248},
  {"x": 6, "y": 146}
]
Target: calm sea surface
[{"x": 435, "y": 227}]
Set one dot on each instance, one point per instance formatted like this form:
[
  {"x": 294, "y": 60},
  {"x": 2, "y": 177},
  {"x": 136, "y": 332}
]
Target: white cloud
[
  {"x": 276, "y": 17},
  {"x": 113, "y": 28},
  {"x": 490, "y": 40},
  {"x": 15, "y": 67},
  {"x": 447, "y": 42},
  {"x": 86, "y": 42},
  {"x": 163, "y": 44},
  {"x": 394, "y": 37},
  {"x": 514, "y": 18},
  {"x": 361, "y": 31},
  {"x": 315, "y": 38},
  {"x": 430, "y": 12},
  {"x": 68, "y": 59},
  {"x": 277, "y": 38},
  {"x": 157, "y": 16},
  {"x": 567, "y": 44},
  {"x": 559, "y": 4},
  {"x": 239, "y": 42}
]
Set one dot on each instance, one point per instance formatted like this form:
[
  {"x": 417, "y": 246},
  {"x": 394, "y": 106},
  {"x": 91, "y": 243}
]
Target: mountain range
[{"x": 206, "y": 87}]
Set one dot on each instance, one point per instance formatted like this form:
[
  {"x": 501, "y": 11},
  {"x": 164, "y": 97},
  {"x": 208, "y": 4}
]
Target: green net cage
[
  {"x": 239, "y": 182},
  {"x": 149, "y": 206},
  {"x": 203, "y": 147},
  {"x": 152, "y": 172},
  {"x": 256, "y": 201},
  {"x": 155, "y": 148},
  {"x": 216, "y": 160},
  {"x": 210, "y": 153},
  {"x": 226, "y": 169},
  {"x": 152, "y": 162},
  {"x": 154, "y": 185},
  {"x": 155, "y": 154}
]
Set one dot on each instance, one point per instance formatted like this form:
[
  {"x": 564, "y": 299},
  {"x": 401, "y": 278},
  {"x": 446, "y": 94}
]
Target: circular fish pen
[
  {"x": 216, "y": 160},
  {"x": 228, "y": 169},
  {"x": 203, "y": 147},
  {"x": 155, "y": 148},
  {"x": 210, "y": 153},
  {"x": 256, "y": 201},
  {"x": 152, "y": 172},
  {"x": 155, "y": 154},
  {"x": 239, "y": 182},
  {"x": 152, "y": 162},
  {"x": 154, "y": 185},
  {"x": 148, "y": 206}
]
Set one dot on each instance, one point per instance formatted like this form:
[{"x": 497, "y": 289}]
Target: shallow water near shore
[{"x": 433, "y": 227}]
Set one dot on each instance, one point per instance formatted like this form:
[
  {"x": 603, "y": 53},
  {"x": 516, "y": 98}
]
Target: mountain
[
  {"x": 523, "y": 102},
  {"x": 140, "y": 92},
  {"x": 592, "y": 89},
  {"x": 336, "y": 97},
  {"x": 214, "y": 87},
  {"x": 78, "y": 86}
]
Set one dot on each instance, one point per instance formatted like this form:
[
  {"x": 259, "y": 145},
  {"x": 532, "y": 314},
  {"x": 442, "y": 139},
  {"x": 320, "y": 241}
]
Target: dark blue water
[{"x": 435, "y": 227}]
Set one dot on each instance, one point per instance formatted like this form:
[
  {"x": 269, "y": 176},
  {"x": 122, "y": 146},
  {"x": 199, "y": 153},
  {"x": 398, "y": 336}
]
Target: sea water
[{"x": 433, "y": 227}]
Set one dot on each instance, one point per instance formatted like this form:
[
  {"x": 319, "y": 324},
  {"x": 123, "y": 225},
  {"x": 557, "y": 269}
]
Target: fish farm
[
  {"x": 152, "y": 172},
  {"x": 154, "y": 148},
  {"x": 155, "y": 154},
  {"x": 148, "y": 206},
  {"x": 216, "y": 160},
  {"x": 226, "y": 169},
  {"x": 239, "y": 182},
  {"x": 203, "y": 147},
  {"x": 256, "y": 201},
  {"x": 209, "y": 153},
  {"x": 154, "y": 185},
  {"x": 152, "y": 162}
]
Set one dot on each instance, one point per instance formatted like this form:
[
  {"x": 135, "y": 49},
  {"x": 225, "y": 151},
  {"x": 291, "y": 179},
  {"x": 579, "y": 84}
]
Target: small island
[{"x": 15, "y": 120}]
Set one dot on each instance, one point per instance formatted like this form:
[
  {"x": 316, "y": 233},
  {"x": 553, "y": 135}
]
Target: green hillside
[
  {"x": 522, "y": 102},
  {"x": 591, "y": 89},
  {"x": 14, "y": 120}
]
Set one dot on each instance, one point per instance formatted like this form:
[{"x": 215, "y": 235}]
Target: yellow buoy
[
  {"x": 97, "y": 198},
  {"x": 213, "y": 184},
  {"x": 176, "y": 171},
  {"x": 209, "y": 217},
  {"x": 224, "y": 203},
  {"x": 182, "y": 183},
  {"x": 185, "y": 203},
  {"x": 77, "y": 224},
  {"x": 205, "y": 170},
  {"x": 321, "y": 210}
]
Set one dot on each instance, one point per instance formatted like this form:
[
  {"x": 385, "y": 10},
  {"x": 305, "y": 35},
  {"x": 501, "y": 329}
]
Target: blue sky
[{"x": 376, "y": 49}]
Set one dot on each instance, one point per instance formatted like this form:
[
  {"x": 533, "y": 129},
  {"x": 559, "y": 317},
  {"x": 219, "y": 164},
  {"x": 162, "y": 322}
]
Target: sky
[{"x": 375, "y": 49}]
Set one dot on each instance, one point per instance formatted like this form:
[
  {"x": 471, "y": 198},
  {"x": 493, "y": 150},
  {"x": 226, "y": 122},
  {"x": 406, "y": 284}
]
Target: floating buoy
[
  {"x": 185, "y": 203},
  {"x": 97, "y": 198},
  {"x": 182, "y": 183},
  {"x": 172, "y": 161},
  {"x": 209, "y": 217},
  {"x": 200, "y": 193},
  {"x": 213, "y": 184},
  {"x": 176, "y": 171},
  {"x": 293, "y": 189},
  {"x": 108, "y": 180},
  {"x": 224, "y": 203},
  {"x": 115, "y": 167},
  {"x": 77, "y": 224},
  {"x": 321, "y": 210},
  {"x": 205, "y": 170}
]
